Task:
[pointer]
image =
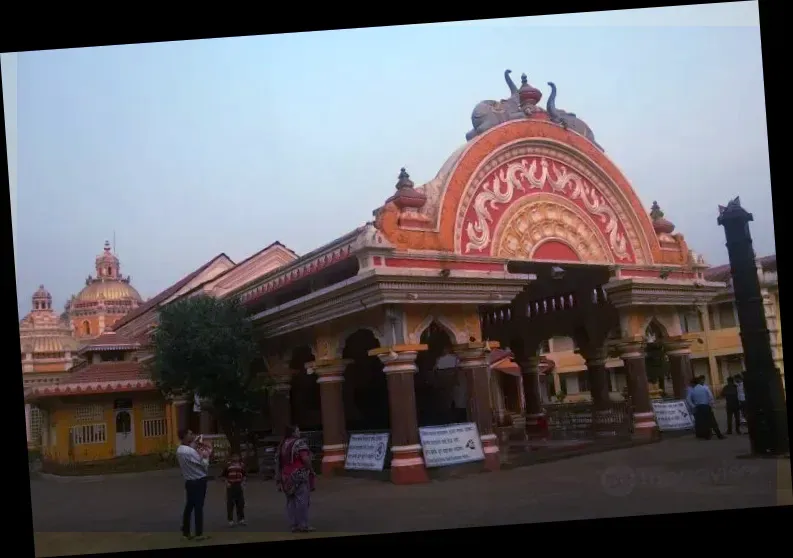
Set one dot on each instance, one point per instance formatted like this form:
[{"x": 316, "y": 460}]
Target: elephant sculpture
[
  {"x": 489, "y": 114},
  {"x": 568, "y": 120}
]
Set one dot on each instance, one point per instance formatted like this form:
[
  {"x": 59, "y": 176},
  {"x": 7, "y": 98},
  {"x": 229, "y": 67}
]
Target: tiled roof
[
  {"x": 164, "y": 295},
  {"x": 501, "y": 360},
  {"x": 109, "y": 341},
  {"x": 722, "y": 272},
  {"x": 103, "y": 377}
]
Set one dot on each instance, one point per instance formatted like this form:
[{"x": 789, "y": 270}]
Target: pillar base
[
  {"x": 537, "y": 426},
  {"x": 407, "y": 466},
  {"x": 332, "y": 459},
  {"x": 491, "y": 451},
  {"x": 645, "y": 428}
]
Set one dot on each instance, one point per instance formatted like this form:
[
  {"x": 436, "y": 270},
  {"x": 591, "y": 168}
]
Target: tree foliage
[{"x": 205, "y": 346}]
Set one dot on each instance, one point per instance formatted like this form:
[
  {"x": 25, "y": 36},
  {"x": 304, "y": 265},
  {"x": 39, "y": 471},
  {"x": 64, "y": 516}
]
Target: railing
[{"x": 576, "y": 421}]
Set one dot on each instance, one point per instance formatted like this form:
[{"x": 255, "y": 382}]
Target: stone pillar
[
  {"x": 407, "y": 463},
  {"x": 631, "y": 351},
  {"x": 678, "y": 350},
  {"x": 281, "y": 403},
  {"x": 536, "y": 425},
  {"x": 330, "y": 375},
  {"x": 472, "y": 360},
  {"x": 597, "y": 374}
]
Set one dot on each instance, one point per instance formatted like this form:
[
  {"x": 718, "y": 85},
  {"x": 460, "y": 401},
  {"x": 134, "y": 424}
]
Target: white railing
[
  {"x": 154, "y": 428},
  {"x": 88, "y": 434}
]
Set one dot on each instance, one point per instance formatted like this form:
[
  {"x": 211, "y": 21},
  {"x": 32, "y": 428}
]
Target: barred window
[
  {"x": 154, "y": 428},
  {"x": 83, "y": 434},
  {"x": 152, "y": 410},
  {"x": 35, "y": 425},
  {"x": 92, "y": 412}
]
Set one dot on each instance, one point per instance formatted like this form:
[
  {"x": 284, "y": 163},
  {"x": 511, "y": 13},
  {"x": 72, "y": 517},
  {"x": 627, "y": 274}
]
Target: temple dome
[{"x": 110, "y": 290}]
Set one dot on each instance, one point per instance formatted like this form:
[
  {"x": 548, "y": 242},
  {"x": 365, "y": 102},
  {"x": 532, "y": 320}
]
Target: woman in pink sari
[{"x": 294, "y": 477}]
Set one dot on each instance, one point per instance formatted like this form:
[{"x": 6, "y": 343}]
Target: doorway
[{"x": 125, "y": 433}]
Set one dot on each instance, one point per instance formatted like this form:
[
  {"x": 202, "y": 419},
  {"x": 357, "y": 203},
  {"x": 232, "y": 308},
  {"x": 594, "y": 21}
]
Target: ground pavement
[{"x": 676, "y": 475}]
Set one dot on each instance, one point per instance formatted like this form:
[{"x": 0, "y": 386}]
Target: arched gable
[
  {"x": 530, "y": 184},
  {"x": 532, "y": 172}
]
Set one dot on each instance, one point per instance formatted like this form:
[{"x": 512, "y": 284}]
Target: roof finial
[
  {"x": 655, "y": 211},
  {"x": 404, "y": 180}
]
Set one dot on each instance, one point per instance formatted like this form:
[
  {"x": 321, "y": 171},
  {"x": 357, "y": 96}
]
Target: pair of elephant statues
[{"x": 488, "y": 114}]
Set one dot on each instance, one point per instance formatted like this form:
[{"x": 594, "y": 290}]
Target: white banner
[
  {"x": 366, "y": 452},
  {"x": 672, "y": 415},
  {"x": 452, "y": 444}
]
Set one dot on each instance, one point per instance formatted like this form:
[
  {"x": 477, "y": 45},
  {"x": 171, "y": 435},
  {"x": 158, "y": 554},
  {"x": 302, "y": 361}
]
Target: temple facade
[
  {"x": 105, "y": 299},
  {"x": 356, "y": 329},
  {"x": 48, "y": 351}
]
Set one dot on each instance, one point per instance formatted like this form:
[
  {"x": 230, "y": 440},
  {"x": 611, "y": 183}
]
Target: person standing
[
  {"x": 701, "y": 399},
  {"x": 294, "y": 476},
  {"x": 235, "y": 476},
  {"x": 730, "y": 394},
  {"x": 193, "y": 460},
  {"x": 741, "y": 398}
]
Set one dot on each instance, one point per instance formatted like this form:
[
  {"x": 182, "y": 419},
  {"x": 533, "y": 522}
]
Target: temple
[
  {"x": 526, "y": 271},
  {"x": 105, "y": 299}
]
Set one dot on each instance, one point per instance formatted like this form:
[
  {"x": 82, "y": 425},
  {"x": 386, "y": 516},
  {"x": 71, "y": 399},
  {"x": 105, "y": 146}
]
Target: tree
[{"x": 205, "y": 346}]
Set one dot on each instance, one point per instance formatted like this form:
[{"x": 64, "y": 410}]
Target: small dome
[
  {"x": 527, "y": 94},
  {"x": 42, "y": 299}
]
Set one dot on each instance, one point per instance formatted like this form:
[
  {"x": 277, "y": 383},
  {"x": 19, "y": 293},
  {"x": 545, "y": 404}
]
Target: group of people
[
  {"x": 700, "y": 402},
  {"x": 294, "y": 476}
]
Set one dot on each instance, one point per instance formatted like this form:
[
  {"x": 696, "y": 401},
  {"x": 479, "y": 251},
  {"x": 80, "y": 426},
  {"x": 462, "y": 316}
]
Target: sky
[{"x": 187, "y": 149}]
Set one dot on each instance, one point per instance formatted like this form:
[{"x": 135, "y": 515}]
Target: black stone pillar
[{"x": 765, "y": 405}]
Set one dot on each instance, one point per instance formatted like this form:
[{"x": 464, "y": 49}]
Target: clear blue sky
[{"x": 189, "y": 149}]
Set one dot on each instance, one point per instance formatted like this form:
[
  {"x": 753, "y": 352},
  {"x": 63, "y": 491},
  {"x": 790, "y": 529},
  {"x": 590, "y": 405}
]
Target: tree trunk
[{"x": 231, "y": 432}]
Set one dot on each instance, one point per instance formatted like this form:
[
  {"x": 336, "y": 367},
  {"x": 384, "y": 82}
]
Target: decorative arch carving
[
  {"x": 548, "y": 218},
  {"x": 527, "y": 139},
  {"x": 455, "y": 334}
]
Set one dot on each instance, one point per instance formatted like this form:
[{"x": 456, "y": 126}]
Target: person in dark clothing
[
  {"x": 235, "y": 476},
  {"x": 730, "y": 394}
]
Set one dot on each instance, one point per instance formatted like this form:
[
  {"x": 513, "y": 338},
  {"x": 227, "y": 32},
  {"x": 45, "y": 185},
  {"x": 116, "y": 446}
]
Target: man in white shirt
[
  {"x": 194, "y": 464},
  {"x": 700, "y": 398}
]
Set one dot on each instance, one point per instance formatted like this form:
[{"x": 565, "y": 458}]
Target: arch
[
  {"x": 509, "y": 142},
  {"x": 345, "y": 335},
  {"x": 654, "y": 329},
  {"x": 454, "y": 334},
  {"x": 543, "y": 218},
  {"x": 365, "y": 389},
  {"x": 86, "y": 327}
]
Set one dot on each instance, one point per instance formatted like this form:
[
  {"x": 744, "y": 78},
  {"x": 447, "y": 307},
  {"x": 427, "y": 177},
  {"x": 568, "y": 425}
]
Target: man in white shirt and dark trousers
[
  {"x": 700, "y": 398},
  {"x": 194, "y": 464}
]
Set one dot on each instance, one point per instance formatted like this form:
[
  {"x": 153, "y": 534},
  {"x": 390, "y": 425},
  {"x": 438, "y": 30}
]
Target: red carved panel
[
  {"x": 521, "y": 177},
  {"x": 553, "y": 250}
]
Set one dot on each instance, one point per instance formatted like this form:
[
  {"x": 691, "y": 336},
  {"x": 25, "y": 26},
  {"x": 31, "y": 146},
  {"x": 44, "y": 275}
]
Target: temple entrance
[
  {"x": 440, "y": 386},
  {"x": 305, "y": 401},
  {"x": 365, "y": 387}
]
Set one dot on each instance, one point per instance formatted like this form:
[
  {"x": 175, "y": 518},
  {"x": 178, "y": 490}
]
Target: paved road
[{"x": 676, "y": 475}]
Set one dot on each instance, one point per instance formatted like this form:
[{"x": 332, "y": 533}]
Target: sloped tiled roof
[
  {"x": 110, "y": 341},
  {"x": 164, "y": 295},
  {"x": 721, "y": 273},
  {"x": 103, "y": 377}
]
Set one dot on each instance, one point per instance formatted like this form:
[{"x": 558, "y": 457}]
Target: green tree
[{"x": 204, "y": 345}]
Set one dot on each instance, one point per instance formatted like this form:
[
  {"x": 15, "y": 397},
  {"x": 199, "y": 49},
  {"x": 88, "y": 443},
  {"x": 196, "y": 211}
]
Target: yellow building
[{"x": 106, "y": 406}]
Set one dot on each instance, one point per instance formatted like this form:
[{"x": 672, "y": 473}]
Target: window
[
  {"x": 84, "y": 434},
  {"x": 85, "y": 413},
  {"x": 545, "y": 347},
  {"x": 86, "y": 328},
  {"x": 35, "y": 425},
  {"x": 154, "y": 428},
  {"x": 583, "y": 381},
  {"x": 727, "y": 315},
  {"x": 153, "y": 410},
  {"x": 690, "y": 321}
]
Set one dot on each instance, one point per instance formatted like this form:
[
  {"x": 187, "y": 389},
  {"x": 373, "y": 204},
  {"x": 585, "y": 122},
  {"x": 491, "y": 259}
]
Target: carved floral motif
[{"x": 528, "y": 175}]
